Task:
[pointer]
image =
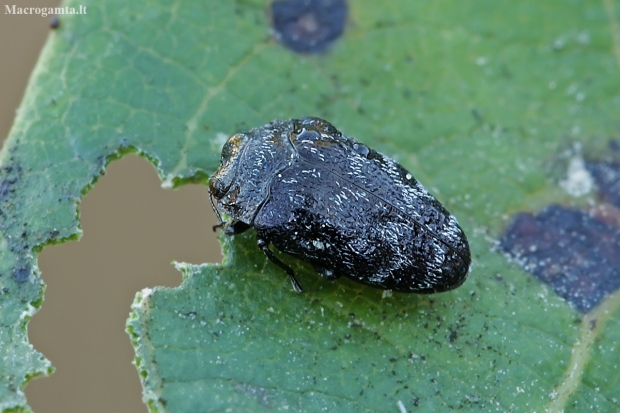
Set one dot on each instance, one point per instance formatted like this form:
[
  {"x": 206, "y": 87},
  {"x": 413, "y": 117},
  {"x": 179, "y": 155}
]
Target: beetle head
[
  {"x": 248, "y": 164},
  {"x": 223, "y": 178}
]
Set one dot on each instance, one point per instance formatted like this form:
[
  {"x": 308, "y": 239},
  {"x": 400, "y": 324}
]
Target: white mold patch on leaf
[{"x": 578, "y": 180}]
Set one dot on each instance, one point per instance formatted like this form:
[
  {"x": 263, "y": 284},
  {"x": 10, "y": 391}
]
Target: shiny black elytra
[{"x": 327, "y": 199}]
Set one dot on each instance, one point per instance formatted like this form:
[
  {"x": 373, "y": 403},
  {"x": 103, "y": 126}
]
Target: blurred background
[{"x": 133, "y": 229}]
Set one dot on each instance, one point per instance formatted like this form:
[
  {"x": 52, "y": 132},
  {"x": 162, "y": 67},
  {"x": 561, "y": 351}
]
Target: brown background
[{"x": 133, "y": 229}]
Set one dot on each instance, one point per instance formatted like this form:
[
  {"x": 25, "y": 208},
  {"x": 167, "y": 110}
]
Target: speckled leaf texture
[{"x": 479, "y": 100}]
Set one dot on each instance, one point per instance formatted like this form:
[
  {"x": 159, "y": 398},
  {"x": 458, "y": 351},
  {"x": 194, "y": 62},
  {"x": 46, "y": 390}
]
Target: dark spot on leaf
[
  {"x": 9, "y": 176},
  {"x": 54, "y": 22},
  {"x": 308, "y": 26},
  {"x": 5, "y": 290},
  {"x": 21, "y": 274},
  {"x": 506, "y": 73},
  {"x": 607, "y": 178},
  {"x": 453, "y": 336},
  {"x": 477, "y": 116},
  {"x": 6, "y": 187},
  {"x": 592, "y": 324},
  {"x": 574, "y": 252}
]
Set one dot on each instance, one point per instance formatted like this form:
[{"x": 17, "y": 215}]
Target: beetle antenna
[{"x": 217, "y": 212}]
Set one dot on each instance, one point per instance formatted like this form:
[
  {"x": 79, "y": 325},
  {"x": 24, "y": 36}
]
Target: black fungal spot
[
  {"x": 9, "y": 176},
  {"x": 607, "y": 178},
  {"x": 308, "y": 26},
  {"x": 574, "y": 252},
  {"x": 54, "y": 22}
]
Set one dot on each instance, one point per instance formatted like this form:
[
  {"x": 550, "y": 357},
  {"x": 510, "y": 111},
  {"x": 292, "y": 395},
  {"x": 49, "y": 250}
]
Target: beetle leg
[
  {"x": 264, "y": 246},
  {"x": 218, "y": 225},
  {"x": 236, "y": 228},
  {"x": 232, "y": 229}
]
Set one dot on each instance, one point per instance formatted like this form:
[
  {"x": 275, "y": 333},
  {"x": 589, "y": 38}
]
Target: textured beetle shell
[{"x": 330, "y": 200}]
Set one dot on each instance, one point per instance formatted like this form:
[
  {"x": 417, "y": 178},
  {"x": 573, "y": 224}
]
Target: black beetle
[{"x": 327, "y": 199}]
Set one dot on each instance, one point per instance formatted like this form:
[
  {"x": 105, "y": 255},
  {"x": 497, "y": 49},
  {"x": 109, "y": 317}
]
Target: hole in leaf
[{"x": 132, "y": 231}]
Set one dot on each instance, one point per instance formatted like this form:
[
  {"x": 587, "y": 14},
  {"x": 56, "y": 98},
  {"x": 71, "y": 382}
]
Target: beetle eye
[
  {"x": 232, "y": 146},
  {"x": 216, "y": 187},
  {"x": 309, "y": 135}
]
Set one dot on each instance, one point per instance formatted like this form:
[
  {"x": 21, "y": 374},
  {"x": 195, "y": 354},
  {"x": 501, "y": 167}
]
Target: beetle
[{"x": 328, "y": 199}]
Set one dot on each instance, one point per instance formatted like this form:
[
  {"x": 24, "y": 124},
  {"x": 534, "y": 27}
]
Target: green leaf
[{"x": 476, "y": 99}]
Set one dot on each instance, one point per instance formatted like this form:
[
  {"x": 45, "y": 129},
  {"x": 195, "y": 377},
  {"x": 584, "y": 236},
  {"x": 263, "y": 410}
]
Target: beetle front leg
[
  {"x": 236, "y": 228},
  {"x": 264, "y": 246},
  {"x": 233, "y": 229}
]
